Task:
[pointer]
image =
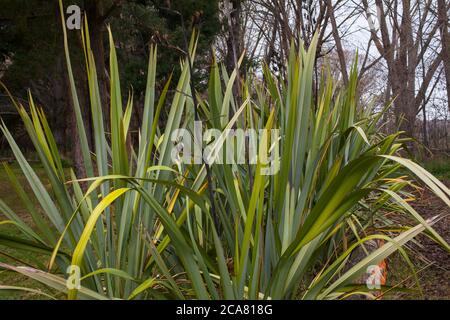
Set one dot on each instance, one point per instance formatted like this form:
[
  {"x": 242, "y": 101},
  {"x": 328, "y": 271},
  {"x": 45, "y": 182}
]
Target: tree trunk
[
  {"x": 94, "y": 11},
  {"x": 424, "y": 126},
  {"x": 445, "y": 38},
  {"x": 234, "y": 40},
  {"x": 337, "y": 40}
]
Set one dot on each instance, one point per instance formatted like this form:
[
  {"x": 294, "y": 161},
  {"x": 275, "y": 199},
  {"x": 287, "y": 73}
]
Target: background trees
[
  {"x": 403, "y": 49},
  {"x": 404, "y": 34},
  {"x": 404, "y": 42},
  {"x": 31, "y": 40}
]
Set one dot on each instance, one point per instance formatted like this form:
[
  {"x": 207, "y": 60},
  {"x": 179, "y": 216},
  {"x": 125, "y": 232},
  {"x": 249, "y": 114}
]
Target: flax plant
[{"x": 143, "y": 228}]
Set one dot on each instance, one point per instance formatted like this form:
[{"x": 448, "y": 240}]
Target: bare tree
[
  {"x": 234, "y": 39},
  {"x": 443, "y": 8},
  {"x": 337, "y": 40},
  {"x": 406, "y": 33}
]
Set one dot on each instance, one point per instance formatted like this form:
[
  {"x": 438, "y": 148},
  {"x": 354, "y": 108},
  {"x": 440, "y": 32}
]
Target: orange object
[{"x": 383, "y": 270}]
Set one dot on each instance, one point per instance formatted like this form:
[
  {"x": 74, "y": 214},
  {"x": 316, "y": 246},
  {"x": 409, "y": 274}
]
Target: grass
[
  {"x": 439, "y": 166},
  {"x": 11, "y": 199},
  {"x": 432, "y": 279},
  {"x": 8, "y": 277}
]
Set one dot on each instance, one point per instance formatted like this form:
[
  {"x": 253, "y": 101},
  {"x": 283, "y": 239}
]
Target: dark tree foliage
[
  {"x": 140, "y": 23},
  {"x": 31, "y": 57},
  {"x": 31, "y": 48}
]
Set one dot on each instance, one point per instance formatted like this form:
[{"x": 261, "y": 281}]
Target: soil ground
[{"x": 435, "y": 279}]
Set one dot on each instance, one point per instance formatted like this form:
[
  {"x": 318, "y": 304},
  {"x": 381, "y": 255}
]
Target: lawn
[
  {"x": 439, "y": 166},
  {"x": 8, "y": 195}
]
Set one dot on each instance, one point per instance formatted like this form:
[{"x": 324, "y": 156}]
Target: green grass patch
[
  {"x": 8, "y": 195},
  {"x": 439, "y": 166}
]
